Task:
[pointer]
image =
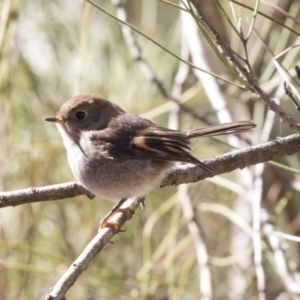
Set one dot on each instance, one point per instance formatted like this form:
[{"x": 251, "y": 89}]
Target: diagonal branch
[
  {"x": 247, "y": 77},
  {"x": 91, "y": 250}
]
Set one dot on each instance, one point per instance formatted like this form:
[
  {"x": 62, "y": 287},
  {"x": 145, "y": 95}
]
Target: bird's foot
[{"x": 117, "y": 208}]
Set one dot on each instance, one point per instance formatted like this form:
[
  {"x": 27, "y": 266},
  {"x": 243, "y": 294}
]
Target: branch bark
[
  {"x": 225, "y": 163},
  {"x": 47, "y": 193},
  {"x": 188, "y": 173},
  {"x": 91, "y": 250},
  {"x": 238, "y": 159}
]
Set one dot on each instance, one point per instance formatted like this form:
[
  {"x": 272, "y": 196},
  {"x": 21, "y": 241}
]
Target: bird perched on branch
[{"x": 117, "y": 155}]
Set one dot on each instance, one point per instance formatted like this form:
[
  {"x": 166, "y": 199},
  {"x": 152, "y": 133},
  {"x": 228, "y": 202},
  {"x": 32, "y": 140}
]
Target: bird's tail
[{"x": 221, "y": 129}]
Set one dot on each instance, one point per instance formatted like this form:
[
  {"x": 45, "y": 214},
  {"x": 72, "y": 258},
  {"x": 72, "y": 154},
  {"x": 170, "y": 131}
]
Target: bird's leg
[{"x": 117, "y": 208}]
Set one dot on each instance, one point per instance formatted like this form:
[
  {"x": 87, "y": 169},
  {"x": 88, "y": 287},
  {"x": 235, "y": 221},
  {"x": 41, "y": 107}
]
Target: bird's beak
[{"x": 54, "y": 119}]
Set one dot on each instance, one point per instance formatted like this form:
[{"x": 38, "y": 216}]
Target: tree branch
[
  {"x": 247, "y": 77},
  {"x": 184, "y": 174},
  {"x": 47, "y": 193},
  {"x": 188, "y": 173},
  {"x": 91, "y": 250},
  {"x": 225, "y": 163},
  {"x": 238, "y": 159}
]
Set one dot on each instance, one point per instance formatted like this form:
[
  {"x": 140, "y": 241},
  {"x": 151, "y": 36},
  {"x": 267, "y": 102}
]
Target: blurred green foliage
[{"x": 51, "y": 50}]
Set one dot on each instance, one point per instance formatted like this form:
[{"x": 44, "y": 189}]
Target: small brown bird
[{"x": 116, "y": 155}]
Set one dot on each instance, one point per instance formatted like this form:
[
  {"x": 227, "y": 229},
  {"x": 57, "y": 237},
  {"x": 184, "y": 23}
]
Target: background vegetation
[{"x": 52, "y": 50}]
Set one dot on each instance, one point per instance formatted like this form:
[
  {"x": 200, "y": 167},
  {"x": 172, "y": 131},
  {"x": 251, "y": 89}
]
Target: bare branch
[
  {"x": 247, "y": 77},
  {"x": 47, "y": 193},
  {"x": 92, "y": 249},
  {"x": 225, "y": 163},
  {"x": 290, "y": 94},
  {"x": 184, "y": 174},
  {"x": 236, "y": 160}
]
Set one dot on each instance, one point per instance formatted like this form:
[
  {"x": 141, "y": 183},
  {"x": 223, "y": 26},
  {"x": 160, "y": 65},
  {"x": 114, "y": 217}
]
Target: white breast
[
  {"x": 112, "y": 179},
  {"x": 73, "y": 151}
]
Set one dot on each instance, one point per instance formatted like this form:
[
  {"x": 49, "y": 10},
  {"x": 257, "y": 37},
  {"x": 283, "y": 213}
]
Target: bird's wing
[{"x": 157, "y": 143}]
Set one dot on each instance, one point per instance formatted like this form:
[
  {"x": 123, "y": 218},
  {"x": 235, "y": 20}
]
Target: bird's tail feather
[{"x": 221, "y": 129}]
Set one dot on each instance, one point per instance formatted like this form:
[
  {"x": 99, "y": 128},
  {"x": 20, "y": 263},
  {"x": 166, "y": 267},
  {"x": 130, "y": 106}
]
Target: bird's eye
[{"x": 80, "y": 115}]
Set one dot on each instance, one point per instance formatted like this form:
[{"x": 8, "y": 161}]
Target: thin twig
[
  {"x": 246, "y": 76},
  {"x": 290, "y": 94},
  {"x": 282, "y": 25},
  {"x": 278, "y": 9},
  {"x": 289, "y": 279},
  {"x": 244, "y": 43},
  {"x": 159, "y": 45},
  {"x": 297, "y": 69},
  {"x": 136, "y": 52}
]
